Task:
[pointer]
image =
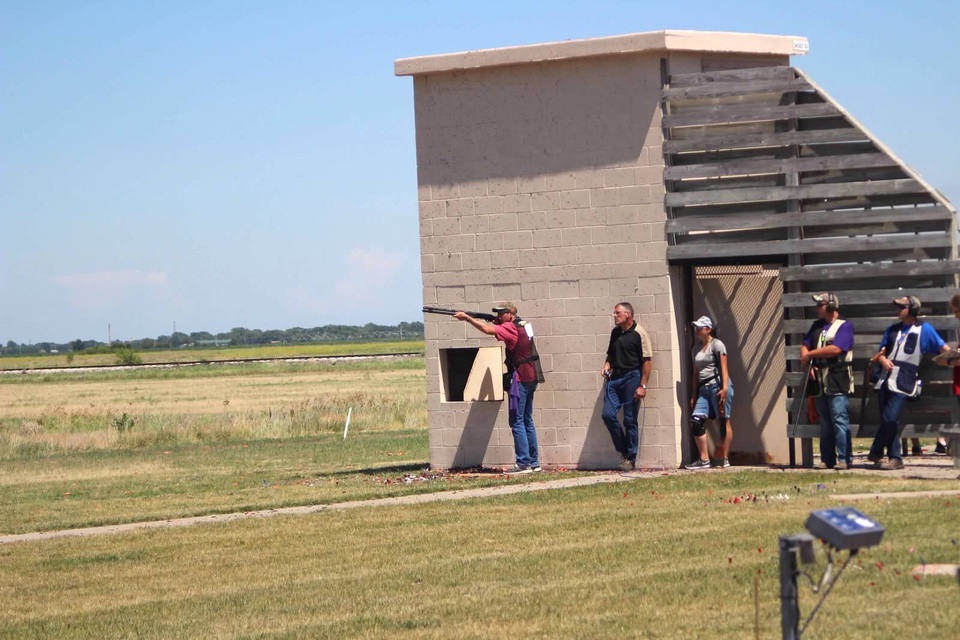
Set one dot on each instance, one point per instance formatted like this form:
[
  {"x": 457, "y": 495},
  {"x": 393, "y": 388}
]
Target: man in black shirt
[{"x": 627, "y": 369}]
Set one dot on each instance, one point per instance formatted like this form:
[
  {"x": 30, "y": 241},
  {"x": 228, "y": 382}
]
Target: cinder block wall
[{"x": 542, "y": 184}]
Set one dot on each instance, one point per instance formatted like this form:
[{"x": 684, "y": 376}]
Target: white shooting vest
[{"x": 904, "y": 378}]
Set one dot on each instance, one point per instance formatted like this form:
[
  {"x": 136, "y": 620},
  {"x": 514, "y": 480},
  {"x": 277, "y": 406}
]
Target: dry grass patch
[
  {"x": 39, "y": 416},
  {"x": 212, "y": 355}
]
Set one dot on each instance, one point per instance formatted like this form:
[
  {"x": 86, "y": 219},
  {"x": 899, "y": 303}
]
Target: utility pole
[{"x": 109, "y": 341}]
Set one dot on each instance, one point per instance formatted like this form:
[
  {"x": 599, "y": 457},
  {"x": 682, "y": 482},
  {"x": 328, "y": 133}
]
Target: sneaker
[
  {"x": 892, "y": 464},
  {"x": 720, "y": 463},
  {"x": 842, "y": 466},
  {"x": 517, "y": 470},
  {"x": 940, "y": 448},
  {"x": 627, "y": 465},
  {"x": 536, "y": 468},
  {"x": 917, "y": 451},
  {"x": 697, "y": 465}
]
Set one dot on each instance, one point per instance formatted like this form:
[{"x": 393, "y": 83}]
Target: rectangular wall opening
[{"x": 472, "y": 374}]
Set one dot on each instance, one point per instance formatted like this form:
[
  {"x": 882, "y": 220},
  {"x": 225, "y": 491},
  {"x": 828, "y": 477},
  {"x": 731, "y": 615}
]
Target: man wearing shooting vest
[
  {"x": 523, "y": 374},
  {"x": 901, "y": 349},
  {"x": 828, "y": 351}
]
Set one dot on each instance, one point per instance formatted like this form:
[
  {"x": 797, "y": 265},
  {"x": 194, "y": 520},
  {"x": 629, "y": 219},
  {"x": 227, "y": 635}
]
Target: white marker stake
[{"x": 347, "y": 425}]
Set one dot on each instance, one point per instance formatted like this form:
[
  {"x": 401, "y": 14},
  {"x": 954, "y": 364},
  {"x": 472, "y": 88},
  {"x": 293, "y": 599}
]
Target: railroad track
[{"x": 201, "y": 363}]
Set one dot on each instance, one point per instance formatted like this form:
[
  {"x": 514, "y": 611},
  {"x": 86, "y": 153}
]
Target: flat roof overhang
[{"x": 708, "y": 41}]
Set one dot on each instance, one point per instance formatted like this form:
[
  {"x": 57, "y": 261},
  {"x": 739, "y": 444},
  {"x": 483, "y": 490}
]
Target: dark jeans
[
  {"x": 891, "y": 406},
  {"x": 524, "y": 432},
  {"x": 834, "y": 429},
  {"x": 619, "y": 393}
]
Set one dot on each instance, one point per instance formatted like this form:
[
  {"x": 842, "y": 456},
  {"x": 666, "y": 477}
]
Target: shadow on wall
[
  {"x": 747, "y": 310},
  {"x": 475, "y": 438},
  {"x": 532, "y": 120},
  {"x": 598, "y": 451}
]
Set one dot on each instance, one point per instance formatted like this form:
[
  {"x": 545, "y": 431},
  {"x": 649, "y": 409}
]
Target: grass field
[
  {"x": 675, "y": 556},
  {"x": 226, "y": 353},
  {"x": 664, "y": 558}
]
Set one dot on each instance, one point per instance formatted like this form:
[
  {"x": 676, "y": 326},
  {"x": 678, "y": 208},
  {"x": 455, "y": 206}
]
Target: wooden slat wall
[{"x": 858, "y": 222}]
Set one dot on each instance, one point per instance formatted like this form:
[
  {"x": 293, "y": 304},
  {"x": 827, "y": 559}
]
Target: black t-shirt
[{"x": 628, "y": 349}]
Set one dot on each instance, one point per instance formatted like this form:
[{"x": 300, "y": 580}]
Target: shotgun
[{"x": 489, "y": 317}]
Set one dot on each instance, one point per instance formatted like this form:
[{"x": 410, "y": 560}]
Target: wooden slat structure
[{"x": 763, "y": 167}]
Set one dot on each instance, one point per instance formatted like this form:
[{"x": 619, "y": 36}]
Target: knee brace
[{"x": 697, "y": 425}]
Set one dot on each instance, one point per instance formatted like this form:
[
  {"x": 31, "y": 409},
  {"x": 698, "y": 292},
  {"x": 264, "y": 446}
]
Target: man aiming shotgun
[{"x": 523, "y": 375}]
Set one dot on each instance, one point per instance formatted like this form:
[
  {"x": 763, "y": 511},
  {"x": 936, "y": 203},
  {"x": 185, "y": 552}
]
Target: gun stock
[{"x": 489, "y": 317}]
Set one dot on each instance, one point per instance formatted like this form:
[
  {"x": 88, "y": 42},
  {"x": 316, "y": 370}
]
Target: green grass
[{"x": 670, "y": 557}]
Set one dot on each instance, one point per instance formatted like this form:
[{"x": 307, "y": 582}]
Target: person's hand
[
  {"x": 460, "y": 315},
  {"x": 641, "y": 392},
  {"x": 722, "y": 397},
  {"x": 804, "y": 359},
  {"x": 605, "y": 371},
  {"x": 886, "y": 364}
]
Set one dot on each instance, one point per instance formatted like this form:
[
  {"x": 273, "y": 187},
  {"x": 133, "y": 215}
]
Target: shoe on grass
[
  {"x": 842, "y": 465},
  {"x": 627, "y": 465},
  {"x": 517, "y": 469},
  {"x": 917, "y": 451},
  {"x": 823, "y": 465},
  {"x": 697, "y": 465},
  {"x": 891, "y": 465},
  {"x": 536, "y": 468},
  {"x": 720, "y": 463}
]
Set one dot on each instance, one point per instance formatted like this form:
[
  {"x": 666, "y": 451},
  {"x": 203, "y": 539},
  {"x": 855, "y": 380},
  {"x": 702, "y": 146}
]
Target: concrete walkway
[
  {"x": 920, "y": 468},
  {"x": 423, "y": 498}
]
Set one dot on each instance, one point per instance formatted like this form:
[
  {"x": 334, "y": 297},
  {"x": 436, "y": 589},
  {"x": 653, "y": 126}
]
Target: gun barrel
[
  {"x": 449, "y": 312},
  {"x": 439, "y": 311}
]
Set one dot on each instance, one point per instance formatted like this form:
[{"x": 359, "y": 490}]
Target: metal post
[{"x": 789, "y": 595}]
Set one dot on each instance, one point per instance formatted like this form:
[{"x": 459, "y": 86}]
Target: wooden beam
[
  {"x": 728, "y": 114},
  {"x": 778, "y": 165},
  {"x": 801, "y": 192},
  {"x": 733, "y": 141},
  {"x": 864, "y": 325},
  {"x": 737, "y": 88},
  {"x": 781, "y": 220},
  {"x": 873, "y": 296},
  {"x": 882, "y": 270},
  {"x": 706, "y": 249},
  {"x": 732, "y": 75}
]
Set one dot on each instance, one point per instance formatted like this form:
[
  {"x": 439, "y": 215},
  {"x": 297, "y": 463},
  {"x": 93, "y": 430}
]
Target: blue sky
[{"x": 226, "y": 164}]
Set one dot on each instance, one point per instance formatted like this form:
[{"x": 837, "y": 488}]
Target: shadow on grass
[{"x": 377, "y": 470}]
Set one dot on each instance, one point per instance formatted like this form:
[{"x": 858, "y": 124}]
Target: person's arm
[
  {"x": 725, "y": 381},
  {"x": 605, "y": 369},
  {"x": 645, "y": 370},
  {"x": 881, "y": 356},
  {"x": 480, "y": 325},
  {"x": 828, "y": 351}
]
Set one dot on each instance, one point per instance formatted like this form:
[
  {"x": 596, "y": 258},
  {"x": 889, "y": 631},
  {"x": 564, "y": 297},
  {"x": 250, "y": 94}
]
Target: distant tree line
[{"x": 238, "y": 336}]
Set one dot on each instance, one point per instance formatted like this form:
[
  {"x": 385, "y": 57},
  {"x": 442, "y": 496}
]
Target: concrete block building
[{"x": 567, "y": 177}]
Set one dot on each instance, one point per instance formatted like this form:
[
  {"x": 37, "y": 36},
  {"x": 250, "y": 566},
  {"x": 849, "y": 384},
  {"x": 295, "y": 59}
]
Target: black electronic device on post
[{"x": 841, "y": 529}]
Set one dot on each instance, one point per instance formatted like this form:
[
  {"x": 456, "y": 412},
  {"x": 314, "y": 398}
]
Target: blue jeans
[
  {"x": 891, "y": 406},
  {"x": 620, "y": 393},
  {"x": 524, "y": 433},
  {"x": 708, "y": 402},
  {"x": 835, "y": 439}
]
